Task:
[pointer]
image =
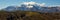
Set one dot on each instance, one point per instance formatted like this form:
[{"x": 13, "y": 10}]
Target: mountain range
[{"x": 33, "y": 7}]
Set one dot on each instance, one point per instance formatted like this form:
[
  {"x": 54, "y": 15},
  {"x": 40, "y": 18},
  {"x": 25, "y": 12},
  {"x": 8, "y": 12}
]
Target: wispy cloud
[
  {"x": 32, "y": 3},
  {"x": 42, "y": 4},
  {"x": 29, "y": 4}
]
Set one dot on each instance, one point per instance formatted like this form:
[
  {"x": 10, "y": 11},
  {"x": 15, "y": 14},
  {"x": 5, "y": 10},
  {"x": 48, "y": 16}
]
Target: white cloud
[
  {"x": 29, "y": 4},
  {"x": 32, "y": 3},
  {"x": 43, "y": 4}
]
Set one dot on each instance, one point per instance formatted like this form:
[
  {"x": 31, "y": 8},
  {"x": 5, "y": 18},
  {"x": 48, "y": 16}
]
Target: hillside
[{"x": 28, "y": 15}]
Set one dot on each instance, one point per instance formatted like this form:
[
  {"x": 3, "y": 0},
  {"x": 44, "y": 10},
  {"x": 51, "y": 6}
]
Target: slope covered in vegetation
[{"x": 28, "y": 15}]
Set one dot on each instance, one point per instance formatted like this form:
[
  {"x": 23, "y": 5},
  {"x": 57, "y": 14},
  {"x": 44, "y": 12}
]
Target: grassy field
[{"x": 28, "y": 15}]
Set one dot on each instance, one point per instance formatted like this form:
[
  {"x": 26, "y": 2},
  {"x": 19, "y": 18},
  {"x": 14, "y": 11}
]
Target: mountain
[
  {"x": 48, "y": 9},
  {"x": 10, "y": 8},
  {"x": 33, "y": 7}
]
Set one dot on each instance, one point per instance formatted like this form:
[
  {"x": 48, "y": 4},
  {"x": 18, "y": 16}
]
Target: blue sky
[{"x": 5, "y": 3}]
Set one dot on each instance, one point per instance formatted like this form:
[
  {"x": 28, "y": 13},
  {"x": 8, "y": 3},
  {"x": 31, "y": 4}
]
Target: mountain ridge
[{"x": 32, "y": 6}]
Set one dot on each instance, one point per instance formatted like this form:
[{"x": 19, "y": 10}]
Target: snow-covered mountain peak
[{"x": 31, "y": 4}]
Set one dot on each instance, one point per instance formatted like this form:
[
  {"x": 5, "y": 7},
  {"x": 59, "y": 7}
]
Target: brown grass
[{"x": 28, "y": 15}]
